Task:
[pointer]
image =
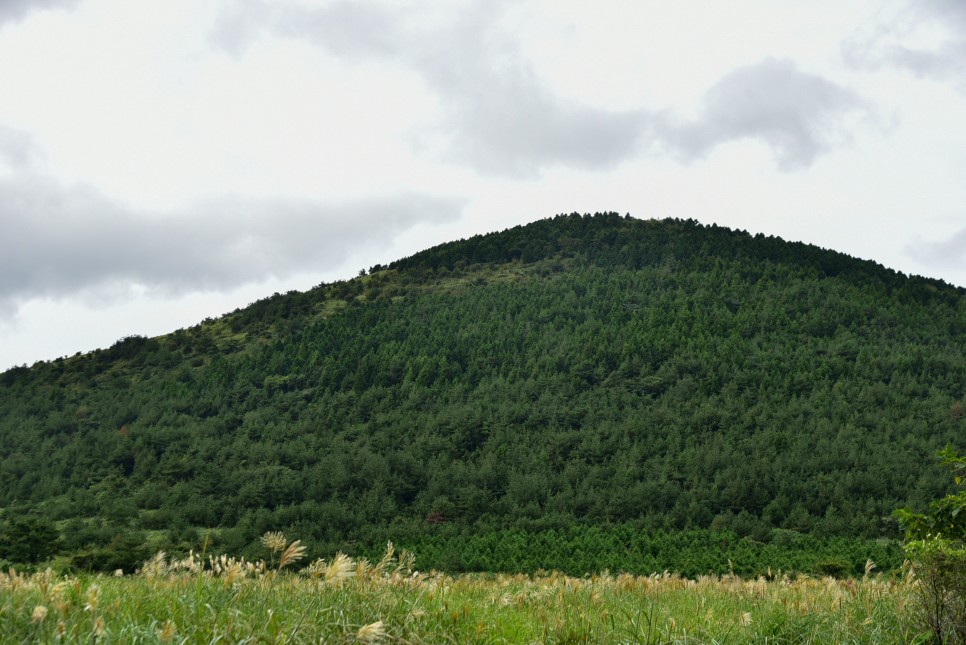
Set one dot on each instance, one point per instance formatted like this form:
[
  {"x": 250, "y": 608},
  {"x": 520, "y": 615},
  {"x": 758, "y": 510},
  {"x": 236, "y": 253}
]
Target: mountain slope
[{"x": 576, "y": 371}]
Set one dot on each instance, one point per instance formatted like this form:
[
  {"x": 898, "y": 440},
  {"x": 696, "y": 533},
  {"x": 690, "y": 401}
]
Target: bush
[
  {"x": 27, "y": 540},
  {"x": 936, "y": 545},
  {"x": 941, "y": 570},
  {"x": 834, "y": 567},
  {"x": 126, "y": 552}
]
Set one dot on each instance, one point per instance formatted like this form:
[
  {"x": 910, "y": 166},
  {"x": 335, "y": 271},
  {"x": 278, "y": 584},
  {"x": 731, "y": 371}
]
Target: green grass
[{"x": 335, "y": 601}]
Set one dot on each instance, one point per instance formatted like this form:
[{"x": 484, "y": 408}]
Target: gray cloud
[
  {"x": 499, "y": 117},
  {"x": 59, "y": 240},
  {"x": 18, "y": 149},
  {"x": 799, "y": 115},
  {"x": 17, "y": 10},
  {"x": 946, "y": 253},
  {"x": 884, "y": 45}
]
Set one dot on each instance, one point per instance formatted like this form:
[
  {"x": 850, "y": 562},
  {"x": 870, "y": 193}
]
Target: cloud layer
[
  {"x": 501, "y": 119},
  {"x": 799, "y": 115},
  {"x": 62, "y": 240},
  {"x": 16, "y": 10},
  {"x": 892, "y": 42},
  {"x": 17, "y": 149},
  {"x": 498, "y": 116},
  {"x": 950, "y": 252}
]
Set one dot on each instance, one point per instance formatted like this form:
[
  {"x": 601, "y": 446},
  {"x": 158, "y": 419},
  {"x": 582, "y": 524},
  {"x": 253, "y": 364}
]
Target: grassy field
[{"x": 345, "y": 601}]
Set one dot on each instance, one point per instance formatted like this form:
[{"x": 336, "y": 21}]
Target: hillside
[{"x": 580, "y": 371}]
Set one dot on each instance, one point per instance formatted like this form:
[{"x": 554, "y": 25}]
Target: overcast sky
[{"x": 161, "y": 162}]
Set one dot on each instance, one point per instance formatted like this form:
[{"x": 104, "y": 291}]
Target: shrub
[
  {"x": 28, "y": 539},
  {"x": 941, "y": 570},
  {"x": 834, "y": 567},
  {"x": 936, "y": 545}
]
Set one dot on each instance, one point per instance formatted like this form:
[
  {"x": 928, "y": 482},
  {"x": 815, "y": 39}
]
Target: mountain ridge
[{"x": 580, "y": 370}]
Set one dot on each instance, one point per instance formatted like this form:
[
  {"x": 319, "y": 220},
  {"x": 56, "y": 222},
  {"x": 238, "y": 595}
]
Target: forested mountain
[{"x": 581, "y": 371}]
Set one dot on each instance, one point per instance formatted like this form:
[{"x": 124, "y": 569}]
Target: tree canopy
[{"x": 578, "y": 371}]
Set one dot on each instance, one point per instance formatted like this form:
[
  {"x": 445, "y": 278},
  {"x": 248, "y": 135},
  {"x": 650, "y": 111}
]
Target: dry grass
[{"x": 344, "y": 600}]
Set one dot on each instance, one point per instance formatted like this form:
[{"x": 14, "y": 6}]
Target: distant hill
[{"x": 582, "y": 370}]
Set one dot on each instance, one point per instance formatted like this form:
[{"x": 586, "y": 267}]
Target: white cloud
[
  {"x": 497, "y": 115},
  {"x": 500, "y": 118}
]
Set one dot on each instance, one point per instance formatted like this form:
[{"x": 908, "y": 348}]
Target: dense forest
[{"x": 579, "y": 376}]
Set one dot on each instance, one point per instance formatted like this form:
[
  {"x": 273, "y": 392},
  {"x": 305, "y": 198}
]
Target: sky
[{"x": 164, "y": 162}]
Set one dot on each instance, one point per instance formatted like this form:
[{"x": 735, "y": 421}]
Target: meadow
[{"x": 208, "y": 599}]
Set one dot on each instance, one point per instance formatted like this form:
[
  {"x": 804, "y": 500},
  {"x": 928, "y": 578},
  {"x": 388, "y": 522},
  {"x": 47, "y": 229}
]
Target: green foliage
[
  {"x": 124, "y": 551},
  {"x": 833, "y": 567},
  {"x": 28, "y": 539},
  {"x": 581, "y": 549},
  {"x": 941, "y": 570},
  {"x": 936, "y": 544},
  {"x": 946, "y": 518},
  {"x": 581, "y": 371}
]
